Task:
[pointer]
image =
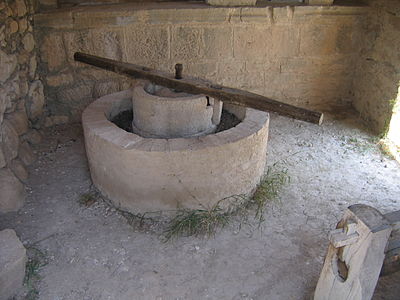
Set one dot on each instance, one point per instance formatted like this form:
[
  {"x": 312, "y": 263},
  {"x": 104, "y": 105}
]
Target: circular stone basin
[
  {"x": 164, "y": 113},
  {"x": 139, "y": 174}
]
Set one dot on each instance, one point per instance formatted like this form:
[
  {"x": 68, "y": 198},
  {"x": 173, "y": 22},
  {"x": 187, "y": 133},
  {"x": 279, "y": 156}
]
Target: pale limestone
[
  {"x": 55, "y": 120},
  {"x": 23, "y": 25},
  {"x": 35, "y": 102},
  {"x": 33, "y": 136},
  {"x": 32, "y": 67},
  {"x": 12, "y": 264},
  {"x": 59, "y": 79},
  {"x": 12, "y": 26},
  {"x": 250, "y": 47},
  {"x": 186, "y": 43},
  {"x": 21, "y": 8},
  {"x": 218, "y": 42},
  {"x": 19, "y": 121},
  {"x": 2, "y": 158},
  {"x": 26, "y": 154},
  {"x": 161, "y": 113},
  {"x": 150, "y": 53},
  {"x": 103, "y": 88},
  {"x": 19, "y": 170},
  {"x": 8, "y": 64},
  {"x": 141, "y": 175},
  {"x": 319, "y": 2},
  {"x": 52, "y": 51},
  {"x": 10, "y": 140},
  {"x": 28, "y": 42},
  {"x": 232, "y": 2},
  {"x": 251, "y": 41},
  {"x": 12, "y": 194},
  {"x": 107, "y": 43}
]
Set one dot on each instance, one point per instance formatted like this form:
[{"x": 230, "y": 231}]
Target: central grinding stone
[
  {"x": 143, "y": 174},
  {"x": 160, "y": 112}
]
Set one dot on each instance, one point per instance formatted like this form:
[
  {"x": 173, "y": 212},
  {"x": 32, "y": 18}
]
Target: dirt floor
[{"x": 93, "y": 253}]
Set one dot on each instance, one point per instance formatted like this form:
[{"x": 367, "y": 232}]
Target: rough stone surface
[
  {"x": 2, "y": 158},
  {"x": 10, "y": 141},
  {"x": 12, "y": 194},
  {"x": 26, "y": 154},
  {"x": 52, "y": 51},
  {"x": 18, "y": 169},
  {"x": 21, "y": 8},
  {"x": 33, "y": 136},
  {"x": 12, "y": 264},
  {"x": 28, "y": 42},
  {"x": 59, "y": 79},
  {"x": 300, "y": 55},
  {"x": 19, "y": 121},
  {"x": 161, "y": 113},
  {"x": 375, "y": 84},
  {"x": 36, "y": 100},
  {"x": 319, "y": 2},
  {"x": 8, "y": 64},
  {"x": 193, "y": 173},
  {"x": 232, "y": 2},
  {"x": 17, "y": 78},
  {"x": 55, "y": 120}
]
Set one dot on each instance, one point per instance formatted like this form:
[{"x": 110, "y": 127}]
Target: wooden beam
[{"x": 199, "y": 86}]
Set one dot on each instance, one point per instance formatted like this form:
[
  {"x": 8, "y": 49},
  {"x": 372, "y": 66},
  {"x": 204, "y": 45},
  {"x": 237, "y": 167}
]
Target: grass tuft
[
  {"x": 206, "y": 222},
  {"x": 268, "y": 189},
  {"x": 88, "y": 199},
  {"x": 197, "y": 222},
  {"x": 37, "y": 259}
]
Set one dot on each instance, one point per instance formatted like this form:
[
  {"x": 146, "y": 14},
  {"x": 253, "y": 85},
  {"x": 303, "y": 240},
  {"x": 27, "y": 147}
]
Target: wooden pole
[{"x": 199, "y": 86}]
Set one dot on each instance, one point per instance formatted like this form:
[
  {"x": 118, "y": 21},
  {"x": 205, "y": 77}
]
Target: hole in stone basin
[{"x": 124, "y": 120}]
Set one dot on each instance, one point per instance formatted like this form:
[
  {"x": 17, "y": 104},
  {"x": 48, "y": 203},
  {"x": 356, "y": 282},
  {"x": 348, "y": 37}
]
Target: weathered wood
[
  {"x": 199, "y": 86},
  {"x": 391, "y": 264},
  {"x": 351, "y": 269}
]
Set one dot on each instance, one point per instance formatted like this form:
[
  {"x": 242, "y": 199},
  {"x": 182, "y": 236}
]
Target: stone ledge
[{"x": 113, "y": 16}]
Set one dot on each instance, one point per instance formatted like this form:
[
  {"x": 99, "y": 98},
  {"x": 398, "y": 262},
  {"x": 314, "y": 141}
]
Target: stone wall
[
  {"x": 377, "y": 74},
  {"x": 21, "y": 100},
  {"x": 302, "y": 55}
]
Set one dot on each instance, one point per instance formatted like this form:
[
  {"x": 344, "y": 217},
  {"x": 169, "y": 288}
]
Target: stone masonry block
[
  {"x": 26, "y": 154},
  {"x": 318, "y": 40},
  {"x": 52, "y": 51},
  {"x": 77, "y": 41},
  {"x": 8, "y": 64},
  {"x": 203, "y": 70},
  {"x": 12, "y": 264},
  {"x": 10, "y": 140},
  {"x": 286, "y": 41},
  {"x": 146, "y": 45},
  {"x": 19, "y": 121},
  {"x": 218, "y": 42},
  {"x": 252, "y": 41},
  {"x": 36, "y": 101},
  {"x": 12, "y": 194},
  {"x": 186, "y": 43},
  {"x": 19, "y": 169},
  {"x": 107, "y": 43}
]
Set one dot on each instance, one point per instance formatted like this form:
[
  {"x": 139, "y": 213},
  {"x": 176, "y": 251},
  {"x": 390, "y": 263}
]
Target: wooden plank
[{"x": 199, "y": 86}]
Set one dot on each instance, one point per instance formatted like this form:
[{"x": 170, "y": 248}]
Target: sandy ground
[{"x": 93, "y": 253}]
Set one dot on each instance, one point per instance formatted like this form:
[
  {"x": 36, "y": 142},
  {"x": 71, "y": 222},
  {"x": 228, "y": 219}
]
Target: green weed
[{"x": 36, "y": 260}]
